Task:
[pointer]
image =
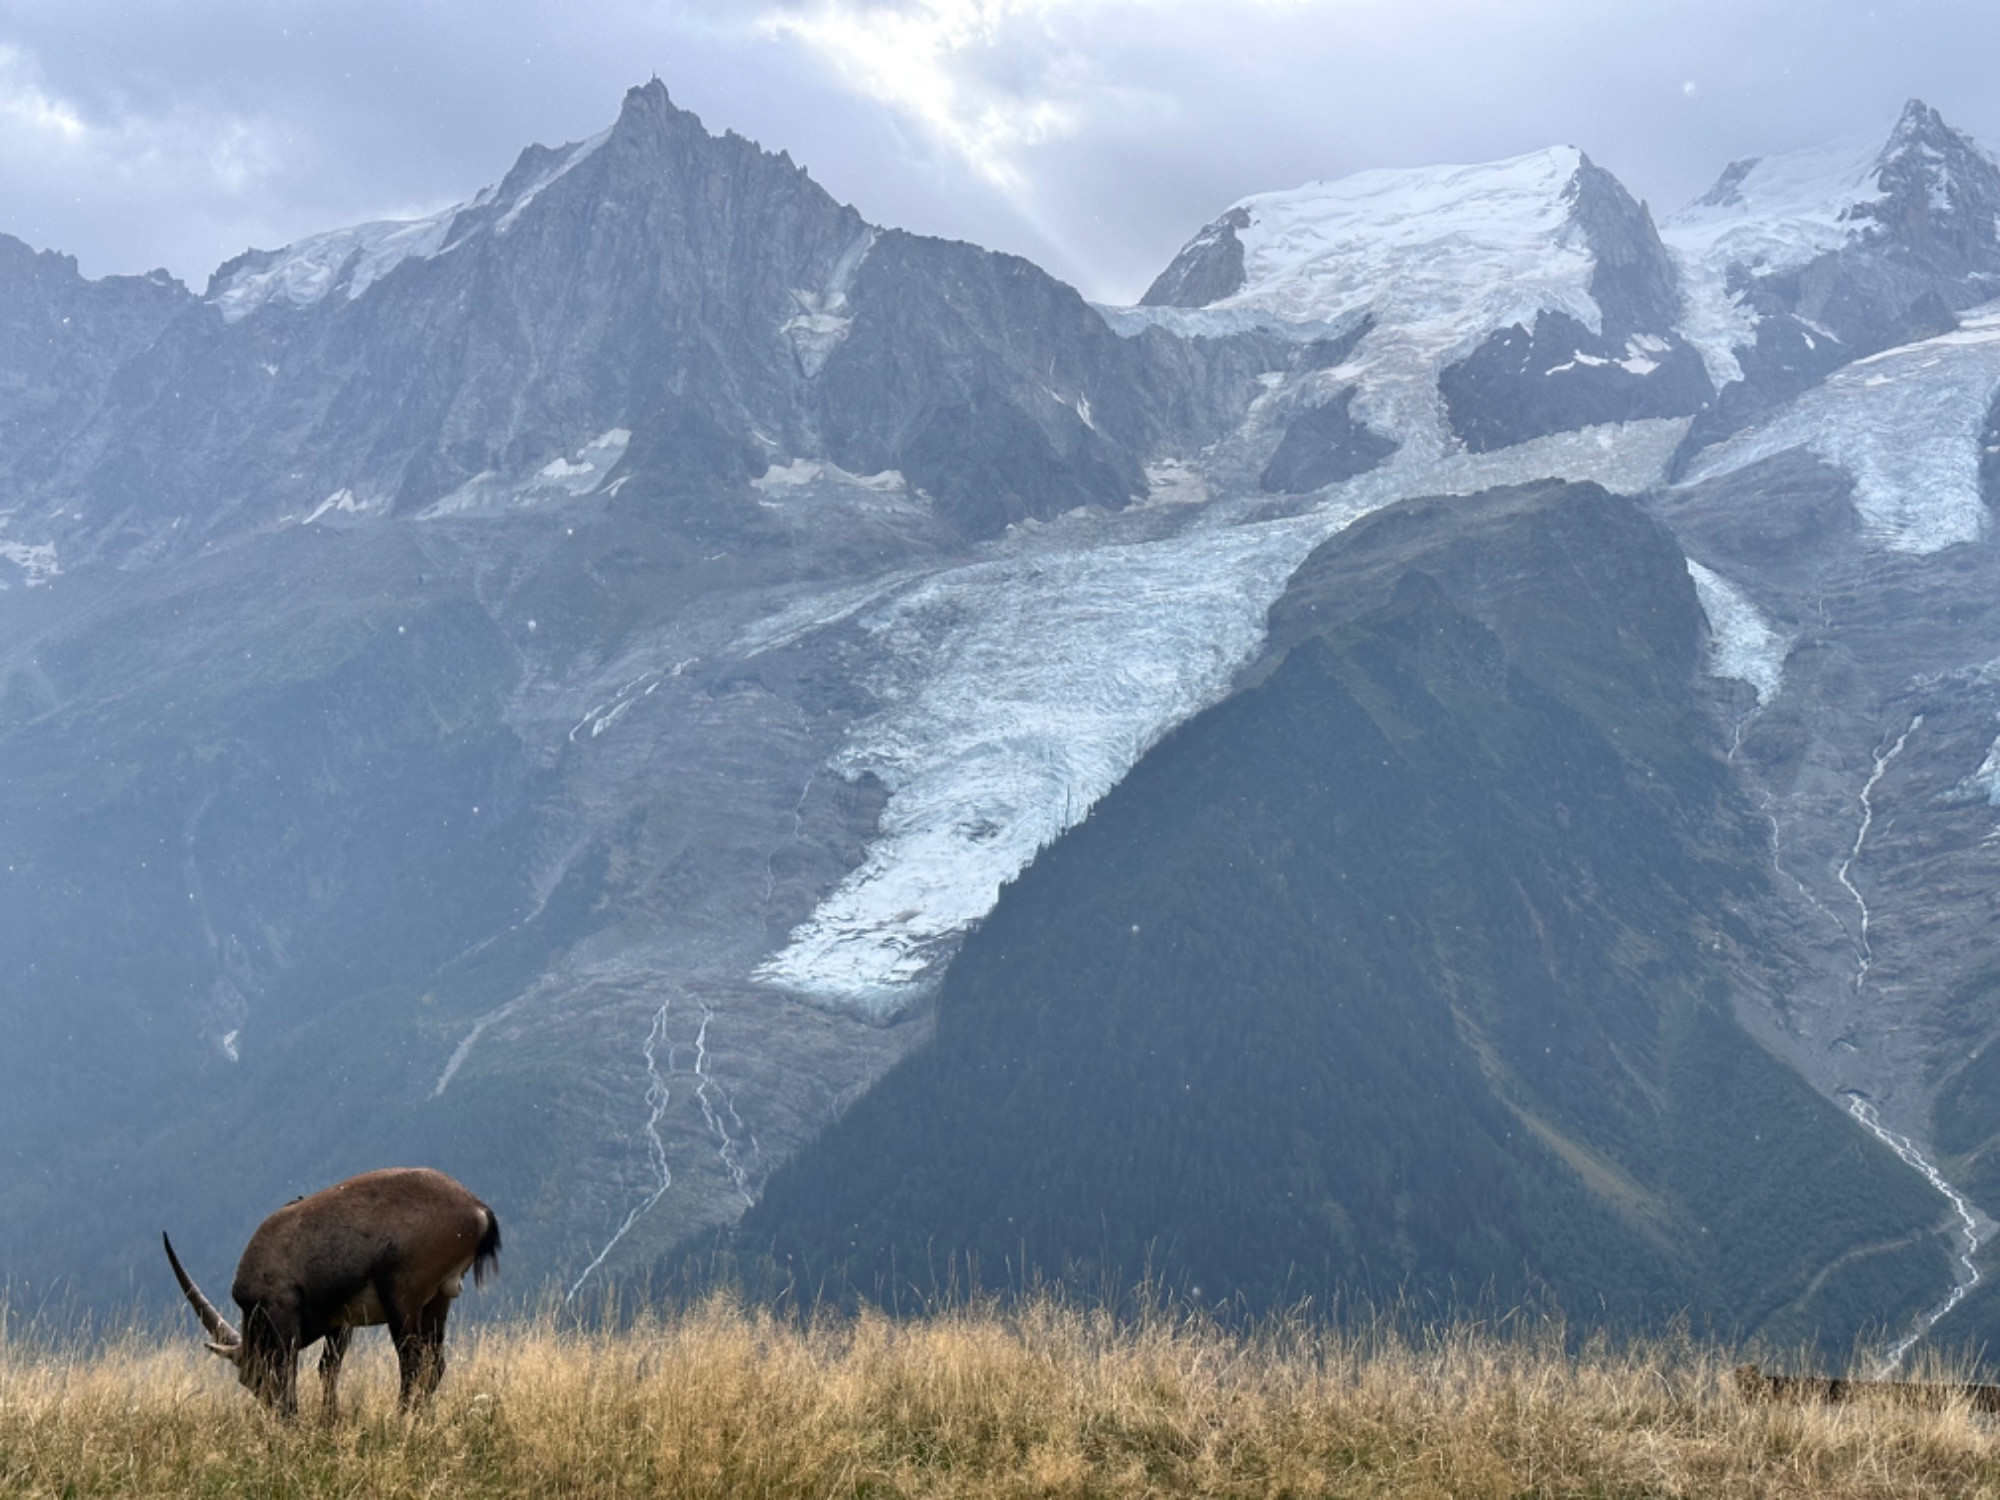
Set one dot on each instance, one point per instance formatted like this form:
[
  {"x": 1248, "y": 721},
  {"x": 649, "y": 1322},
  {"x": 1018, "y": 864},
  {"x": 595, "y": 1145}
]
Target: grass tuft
[{"x": 1041, "y": 1399}]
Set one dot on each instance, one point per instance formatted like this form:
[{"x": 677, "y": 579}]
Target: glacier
[
  {"x": 1742, "y": 643},
  {"x": 1440, "y": 257},
  {"x": 351, "y": 259},
  {"x": 1450, "y": 252},
  {"x": 1905, "y": 425},
  {"x": 1019, "y": 689}
]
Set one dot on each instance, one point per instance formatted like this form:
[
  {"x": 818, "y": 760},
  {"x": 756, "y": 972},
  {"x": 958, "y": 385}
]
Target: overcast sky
[{"x": 1093, "y": 135}]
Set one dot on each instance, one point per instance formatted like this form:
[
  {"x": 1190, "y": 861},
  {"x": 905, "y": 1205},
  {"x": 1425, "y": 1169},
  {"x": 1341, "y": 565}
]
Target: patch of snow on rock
[
  {"x": 1742, "y": 643},
  {"x": 1905, "y": 424},
  {"x": 340, "y": 500},
  {"x": 567, "y": 162},
  {"x": 564, "y": 477},
  {"x": 35, "y": 560},
  {"x": 804, "y": 471},
  {"x": 822, "y": 321},
  {"x": 1987, "y": 778}
]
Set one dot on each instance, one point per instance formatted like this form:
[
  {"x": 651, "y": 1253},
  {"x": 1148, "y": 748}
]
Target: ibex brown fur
[{"x": 388, "y": 1247}]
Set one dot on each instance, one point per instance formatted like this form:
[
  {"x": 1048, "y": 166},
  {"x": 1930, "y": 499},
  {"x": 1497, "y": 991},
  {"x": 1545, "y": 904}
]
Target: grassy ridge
[{"x": 1043, "y": 1400}]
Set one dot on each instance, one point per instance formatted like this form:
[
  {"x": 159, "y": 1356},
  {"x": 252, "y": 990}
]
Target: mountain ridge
[{"x": 559, "y": 710}]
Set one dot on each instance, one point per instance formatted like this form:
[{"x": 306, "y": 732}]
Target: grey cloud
[{"x": 214, "y": 125}]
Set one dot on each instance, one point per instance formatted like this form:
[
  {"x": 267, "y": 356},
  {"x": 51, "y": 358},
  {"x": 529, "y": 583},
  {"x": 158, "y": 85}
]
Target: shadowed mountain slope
[{"x": 1398, "y": 973}]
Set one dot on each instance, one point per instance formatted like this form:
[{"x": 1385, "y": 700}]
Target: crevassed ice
[
  {"x": 1987, "y": 777},
  {"x": 1742, "y": 643},
  {"x": 1781, "y": 212},
  {"x": 1020, "y": 690},
  {"x": 1905, "y": 424}
]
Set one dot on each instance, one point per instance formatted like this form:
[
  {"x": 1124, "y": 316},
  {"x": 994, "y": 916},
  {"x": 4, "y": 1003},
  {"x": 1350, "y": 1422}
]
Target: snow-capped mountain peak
[
  {"x": 1939, "y": 189},
  {"x": 1469, "y": 247},
  {"x": 1504, "y": 301},
  {"x": 1929, "y": 192},
  {"x": 353, "y": 259}
]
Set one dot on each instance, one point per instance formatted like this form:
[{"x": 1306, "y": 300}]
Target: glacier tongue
[
  {"x": 1019, "y": 690},
  {"x": 1905, "y": 424},
  {"x": 1743, "y": 644}
]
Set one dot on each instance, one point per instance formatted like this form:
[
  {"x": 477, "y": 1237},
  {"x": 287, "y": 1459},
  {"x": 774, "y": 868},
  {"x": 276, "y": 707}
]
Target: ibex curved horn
[{"x": 220, "y": 1329}]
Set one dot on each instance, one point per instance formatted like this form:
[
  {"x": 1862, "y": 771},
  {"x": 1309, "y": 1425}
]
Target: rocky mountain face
[
  {"x": 399, "y": 638},
  {"x": 1798, "y": 265},
  {"x": 62, "y": 338},
  {"x": 1405, "y": 973},
  {"x": 548, "y": 689},
  {"x": 653, "y": 297}
]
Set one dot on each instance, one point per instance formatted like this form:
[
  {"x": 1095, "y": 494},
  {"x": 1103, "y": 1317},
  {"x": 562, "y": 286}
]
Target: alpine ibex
[{"x": 387, "y": 1247}]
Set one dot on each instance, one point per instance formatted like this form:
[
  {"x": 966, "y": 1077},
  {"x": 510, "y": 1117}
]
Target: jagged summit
[
  {"x": 1940, "y": 191},
  {"x": 1928, "y": 186},
  {"x": 657, "y": 140},
  {"x": 1794, "y": 264}
]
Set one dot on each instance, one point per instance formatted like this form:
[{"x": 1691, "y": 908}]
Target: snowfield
[
  {"x": 1447, "y": 253},
  {"x": 1440, "y": 257}
]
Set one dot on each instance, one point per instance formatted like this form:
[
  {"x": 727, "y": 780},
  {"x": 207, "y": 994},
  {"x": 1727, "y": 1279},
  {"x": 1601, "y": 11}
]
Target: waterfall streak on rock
[
  {"x": 1967, "y": 1274},
  {"x": 1864, "y": 954},
  {"x": 1778, "y": 864},
  {"x": 798, "y": 832},
  {"x": 657, "y": 1095},
  {"x": 704, "y": 1081}
]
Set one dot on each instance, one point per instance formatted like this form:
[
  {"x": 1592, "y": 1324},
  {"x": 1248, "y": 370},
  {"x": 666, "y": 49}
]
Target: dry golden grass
[{"x": 1042, "y": 1400}]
